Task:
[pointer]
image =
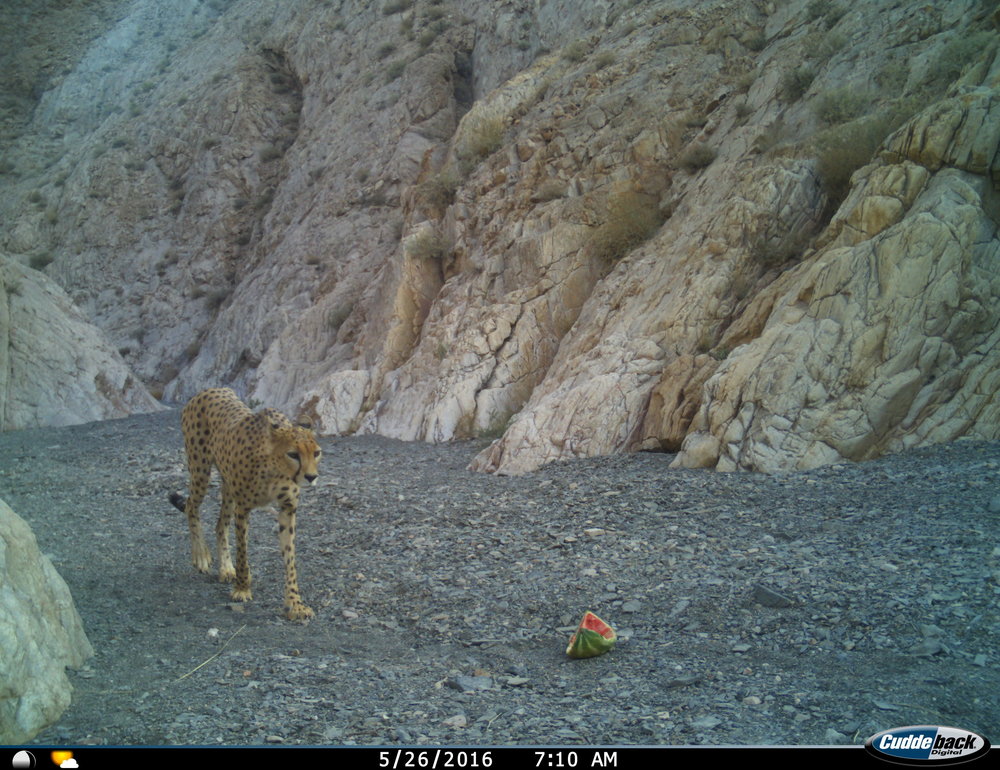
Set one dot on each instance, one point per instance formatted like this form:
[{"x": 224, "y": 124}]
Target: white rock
[{"x": 40, "y": 634}]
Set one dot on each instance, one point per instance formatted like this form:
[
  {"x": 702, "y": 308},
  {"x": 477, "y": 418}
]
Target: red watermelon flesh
[{"x": 592, "y": 637}]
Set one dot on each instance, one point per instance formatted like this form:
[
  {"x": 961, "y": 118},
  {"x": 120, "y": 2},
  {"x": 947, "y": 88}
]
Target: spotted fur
[{"x": 262, "y": 459}]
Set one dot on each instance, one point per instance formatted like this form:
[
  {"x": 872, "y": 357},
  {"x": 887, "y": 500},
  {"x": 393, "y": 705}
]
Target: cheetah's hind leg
[{"x": 201, "y": 557}]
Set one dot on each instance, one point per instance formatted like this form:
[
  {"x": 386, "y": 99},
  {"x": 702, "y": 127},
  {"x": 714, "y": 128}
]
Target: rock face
[
  {"x": 40, "y": 634},
  {"x": 888, "y": 337},
  {"x": 56, "y": 368},
  {"x": 579, "y": 227}
]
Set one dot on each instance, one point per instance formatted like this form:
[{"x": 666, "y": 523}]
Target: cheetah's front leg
[
  {"x": 241, "y": 590},
  {"x": 295, "y": 609},
  {"x": 201, "y": 557},
  {"x": 226, "y": 571}
]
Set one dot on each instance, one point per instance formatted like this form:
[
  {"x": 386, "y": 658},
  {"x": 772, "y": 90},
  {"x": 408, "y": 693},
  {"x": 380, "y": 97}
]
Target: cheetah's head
[{"x": 297, "y": 453}]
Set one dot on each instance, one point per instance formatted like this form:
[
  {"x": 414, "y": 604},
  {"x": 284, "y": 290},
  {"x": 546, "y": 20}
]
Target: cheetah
[{"x": 262, "y": 458}]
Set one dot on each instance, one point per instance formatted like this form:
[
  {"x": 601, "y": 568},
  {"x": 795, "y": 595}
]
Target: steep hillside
[{"x": 582, "y": 227}]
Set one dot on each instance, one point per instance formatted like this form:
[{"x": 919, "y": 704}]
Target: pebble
[
  {"x": 470, "y": 683},
  {"x": 459, "y": 720},
  {"x": 768, "y": 597},
  {"x": 706, "y": 723}
]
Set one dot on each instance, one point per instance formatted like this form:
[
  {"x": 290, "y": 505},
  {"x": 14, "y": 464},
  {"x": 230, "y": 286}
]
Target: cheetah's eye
[{"x": 294, "y": 456}]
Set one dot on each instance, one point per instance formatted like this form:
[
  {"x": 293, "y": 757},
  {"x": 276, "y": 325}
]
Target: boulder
[{"x": 41, "y": 634}]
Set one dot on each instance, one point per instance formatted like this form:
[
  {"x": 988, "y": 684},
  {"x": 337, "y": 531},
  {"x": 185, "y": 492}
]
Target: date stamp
[{"x": 401, "y": 759}]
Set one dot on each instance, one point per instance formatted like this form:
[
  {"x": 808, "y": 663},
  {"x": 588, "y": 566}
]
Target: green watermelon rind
[{"x": 588, "y": 642}]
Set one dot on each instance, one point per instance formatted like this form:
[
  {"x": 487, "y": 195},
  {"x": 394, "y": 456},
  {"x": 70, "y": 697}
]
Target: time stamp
[{"x": 467, "y": 759}]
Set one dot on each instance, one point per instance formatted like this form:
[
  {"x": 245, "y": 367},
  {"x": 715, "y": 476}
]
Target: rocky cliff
[{"x": 760, "y": 234}]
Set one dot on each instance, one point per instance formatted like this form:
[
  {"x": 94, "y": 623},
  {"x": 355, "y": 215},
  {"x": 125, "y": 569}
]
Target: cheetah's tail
[{"x": 178, "y": 500}]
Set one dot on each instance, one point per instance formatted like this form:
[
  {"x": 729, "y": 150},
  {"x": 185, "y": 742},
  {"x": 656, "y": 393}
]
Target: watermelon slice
[{"x": 592, "y": 637}]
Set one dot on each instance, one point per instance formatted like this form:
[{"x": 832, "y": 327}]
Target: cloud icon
[{"x": 69, "y": 763}]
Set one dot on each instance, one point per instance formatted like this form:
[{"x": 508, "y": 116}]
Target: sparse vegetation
[
  {"x": 604, "y": 59},
  {"x": 756, "y": 41},
  {"x": 954, "y": 57},
  {"x": 830, "y": 44},
  {"x": 496, "y": 428},
  {"x": 796, "y": 82},
  {"x": 893, "y": 76},
  {"x": 395, "y": 6},
  {"x": 438, "y": 190},
  {"x": 633, "y": 218},
  {"x": 395, "y": 70},
  {"x": 846, "y": 148},
  {"x": 428, "y": 244},
  {"x": 427, "y": 38},
  {"x": 841, "y": 105},
  {"x": 826, "y": 10},
  {"x": 384, "y": 50},
  {"x": 576, "y": 51},
  {"x": 482, "y": 134},
  {"x": 745, "y": 80},
  {"x": 697, "y": 156}
]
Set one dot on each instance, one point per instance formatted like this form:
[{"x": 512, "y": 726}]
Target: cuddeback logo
[{"x": 927, "y": 744}]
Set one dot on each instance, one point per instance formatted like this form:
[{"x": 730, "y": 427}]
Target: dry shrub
[
  {"x": 482, "y": 134},
  {"x": 698, "y": 155},
  {"x": 841, "y": 104},
  {"x": 428, "y": 244},
  {"x": 438, "y": 190},
  {"x": 846, "y": 148},
  {"x": 796, "y": 82},
  {"x": 576, "y": 51},
  {"x": 633, "y": 218}
]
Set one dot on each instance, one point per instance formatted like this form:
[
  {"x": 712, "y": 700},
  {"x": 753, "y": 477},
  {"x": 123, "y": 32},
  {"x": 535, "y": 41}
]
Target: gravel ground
[{"x": 806, "y": 608}]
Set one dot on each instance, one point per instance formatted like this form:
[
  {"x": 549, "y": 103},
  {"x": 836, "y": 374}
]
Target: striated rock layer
[{"x": 577, "y": 227}]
